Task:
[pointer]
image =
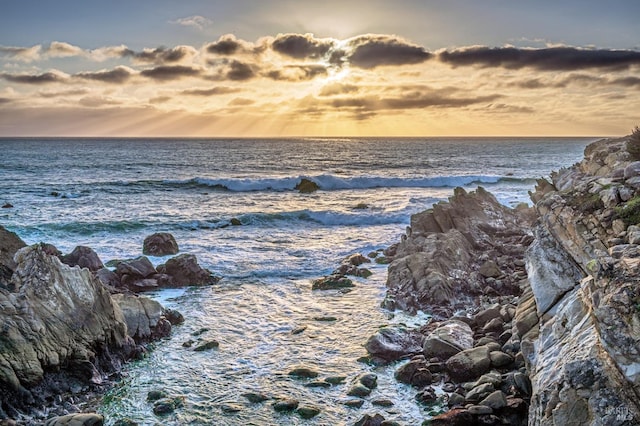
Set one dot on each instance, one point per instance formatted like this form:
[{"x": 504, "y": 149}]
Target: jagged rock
[
  {"x": 332, "y": 282},
  {"x": 185, "y": 270},
  {"x": 393, "y": 342},
  {"x": 108, "y": 277},
  {"x": 84, "y": 257},
  {"x": 448, "y": 339},
  {"x": 10, "y": 243},
  {"x": 58, "y": 318},
  {"x": 144, "y": 317},
  {"x": 490, "y": 269},
  {"x": 160, "y": 244},
  {"x": 77, "y": 419}
]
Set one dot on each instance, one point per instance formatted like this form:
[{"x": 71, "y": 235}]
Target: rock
[
  {"x": 160, "y": 244},
  {"x": 7, "y": 206},
  {"x": 456, "y": 400},
  {"x": 490, "y": 269},
  {"x": 235, "y": 222},
  {"x": 165, "y": 406},
  {"x": 369, "y": 380},
  {"x": 427, "y": 396},
  {"x": 205, "y": 346},
  {"x": 406, "y": 373},
  {"x": 144, "y": 317},
  {"x": 108, "y": 278},
  {"x": 359, "y": 390},
  {"x": 486, "y": 315},
  {"x": 335, "y": 380},
  {"x": 76, "y": 419},
  {"x": 393, "y": 342},
  {"x": 353, "y": 403},
  {"x": 454, "y": 417},
  {"x": 369, "y": 420},
  {"x": 10, "y": 243},
  {"x": 496, "y": 400},
  {"x": 303, "y": 372},
  {"x": 255, "y": 397},
  {"x": 156, "y": 394},
  {"x": 479, "y": 410},
  {"x": 318, "y": 384},
  {"x": 356, "y": 259},
  {"x": 480, "y": 391},
  {"x": 83, "y": 257},
  {"x": 299, "y": 329},
  {"x": 285, "y": 405},
  {"x": 306, "y": 186},
  {"x": 448, "y": 339},
  {"x": 382, "y": 402},
  {"x": 125, "y": 422},
  {"x": 325, "y": 319},
  {"x": 185, "y": 270},
  {"x": 307, "y": 412},
  {"x": 332, "y": 282},
  {"x": 632, "y": 170},
  {"x": 56, "y": 318},
  {"x": 500, "y": 359},
  {"x": 230, "y": 408},
  {"x": 469, "y": 364},
  {"x": 495, "y": 324}
]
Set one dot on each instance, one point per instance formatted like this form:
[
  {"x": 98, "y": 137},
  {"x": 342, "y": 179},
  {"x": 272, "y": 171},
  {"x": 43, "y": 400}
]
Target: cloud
[
  {"x": 228, "y": 45},
  {"x": 301, "y": 46},
  {"x": 5, "y": 100},
  {"x": 370, "y": 51},
  {"x": 547, "y": 59},
  {"x": 217, "y": 90},
  {"x": 159, "y": 99},
  {"x": 59, "y": 49},
  {"x": 506, "y": 108},
  {"x": 297, "y": 72},
  {"x": 173, "y": 72},
  {"x": 44, "y": 78},
  {"x": 109, "y": 52},
  {"x": 24, "y": 54},
  {"x": 118, "y": 75},
  {"x": 162, "y": 55},
  {"x": 98, "y": 101},
  {"x": 241, "y": 102},
  {"x": 627, "y": 81},
  {"x": 73, "y": 92},
  {"x": 338, "y": 89},
  {"x": 196, "y": 21},
  {"x": 237, "y": 71}
]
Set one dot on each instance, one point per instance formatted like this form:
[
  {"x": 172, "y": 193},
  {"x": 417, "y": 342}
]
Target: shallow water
[{"x": 110, "y": 194}]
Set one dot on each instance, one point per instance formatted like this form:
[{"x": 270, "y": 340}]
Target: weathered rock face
[
  {"x": 457, "y": 251},
  {"x": 84, "y": 257},
  {"x": 10, "y": 243},
  {"x": 160, "y": 244},
  {"x": 57, "y": 317},
  {"x": 583, "y": 356}
]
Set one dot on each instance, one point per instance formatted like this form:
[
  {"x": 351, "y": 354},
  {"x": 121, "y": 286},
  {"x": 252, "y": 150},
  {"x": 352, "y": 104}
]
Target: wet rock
[
  {"x": 495, "y": 325},
  {"x": 332, "y": 282},
  {"x": 454, "y": 417},
  {"x": 84, "y": 257},
  {"x": 307, "y": 411},
  {"x": 125, "y": 422},
  {"x": 135, "y": 269},
  {"x": 415, "y": 373},
  {"x": 108, "y": 278},
  {"x": 369, "y": 380},
  {"x": 335, "y": 380},
  {"x": 156, "y": 394},
  {"x": 299, "y": 329},
  {"x": 235, "y": 222},
  {"x": 144, "y": 317},
  {"x": 495, "y": 400},
  {"x": 230, "y": 408},
  {"x": 448, "y": 339},
  {"x": 77, "y": 419},
  {"x": 307, "y": 186},
  {"x": 318, "y": 384},
  {"x": 359, "y": 390},
  {"x": 393, "y": 342},
  {"x": 353, "y": 403},
  {"x": 185, "y": 270},
  {"x": 160, "y": 244},
  {"x": 356, "y": 259},
  {"x": 10, "y": 243},
  {"x": 208, "y": 345},
  {"x": 427, "y": 396},
  {"x": 369, "y": 420},
  {"x": 479, "y": 410},
  {"x": 7, "y": 206},
  {"x": 469, "y": 364},
  {"x": 285, "y": 405},
  {"x": 479, "y": 392},
  {"x": 382, "y": 402},
  {"x": 303, "y": 372},
  {"x": 325, "y": 319},
  {"x": 456, "y": 400},
  {"x": 255, "y": 397},
  {"x": 165, "y": 406},
  {"x": 500, "y": 359},
  {"x": 490, "y": 269}
]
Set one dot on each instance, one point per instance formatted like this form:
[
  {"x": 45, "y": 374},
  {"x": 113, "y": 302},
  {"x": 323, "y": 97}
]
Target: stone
[
  {"x": 479, "y": 392},
  {"x": 469, "y": 364},
  {"x": 184, "y": 270},
  {"x": 359, "y": 390},
  {"x": 165, "y": 406},
  {"x": 448, "y": 339},
  {"x": 303, "y": 372},
  {"x": 144, "y": 317},
  {"x": 108, "y": 278},
  {"x": 490, "y": 269},
  {"x": 235, "y": 221},
  {"x": 632, "y": 170},
  {"x": 369, "y": 380},
  {"x": 486, "y": 315},
  {"x": 306, "y": 186},
  {"x": 332, "y": 282},
  {"x": 7, "y": 206},
  {"x": 393, "y": 342},
  {"x": 255, "y": 397},
  {"x": 479, "y": 410},
  {"x": 138, "y": 268},
  {"x": 454, "y": 417},
  {"x": 456, "y": 400},
  {"x": 382, "y": 402},
  {"x": 495, "y": 324},
  {"x": 10, "y": 243},
  {"x": 353, "y": 402},
  {"x": 318, "y": 384},
  {"x": 285, "y": 405},
  {"x": 230, "y": 408},
  {"x": 156, "y": 394},
  {"x": 496, "y": 400},
  {"x": 356, "y": 259},
  {"x": 76, "y": 419},
  {"x": 84, "y": 257},
  {"x": 307, "y": 411},
  {"x": 369, "y": 420},
  {"x": 500, "y": 359},
  {"x": 335, "y": 380},
  {"x": 160, "y": 244},
  {"x": 208, "y": 345}
]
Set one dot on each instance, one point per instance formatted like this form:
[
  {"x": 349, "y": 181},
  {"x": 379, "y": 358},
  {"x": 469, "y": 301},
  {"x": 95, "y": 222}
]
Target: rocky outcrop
[
  {"x": 10, "y": 243},
  {"x": 583, "y": 355},
  {"x": 160, "y": 244},
  {"x": 457, "y": 252}
]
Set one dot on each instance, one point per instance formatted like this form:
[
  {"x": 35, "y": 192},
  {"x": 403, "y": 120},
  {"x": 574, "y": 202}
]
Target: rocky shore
[
  {"x": 535, "y": 310},
  {"x": 69, "y": 323}
]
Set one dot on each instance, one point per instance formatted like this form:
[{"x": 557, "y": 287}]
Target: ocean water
[{"x": 110, "y": 194}]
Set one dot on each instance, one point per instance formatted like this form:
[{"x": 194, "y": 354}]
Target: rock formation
[{"x": 160, "y": 244}]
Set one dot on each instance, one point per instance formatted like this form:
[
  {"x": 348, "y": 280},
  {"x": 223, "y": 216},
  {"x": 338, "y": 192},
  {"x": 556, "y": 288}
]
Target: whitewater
[{"x": 109, "y": 194}]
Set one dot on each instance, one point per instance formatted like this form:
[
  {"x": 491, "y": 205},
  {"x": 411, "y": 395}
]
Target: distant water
[{"x": 110, "y": 193}]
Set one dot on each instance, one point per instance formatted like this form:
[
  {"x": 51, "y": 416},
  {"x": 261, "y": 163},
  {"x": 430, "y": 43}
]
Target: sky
[{"x": 277, "y": 68}]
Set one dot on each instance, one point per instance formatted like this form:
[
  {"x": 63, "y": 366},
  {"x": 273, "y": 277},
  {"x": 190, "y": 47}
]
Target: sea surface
[{"x": 110, "y": 194}]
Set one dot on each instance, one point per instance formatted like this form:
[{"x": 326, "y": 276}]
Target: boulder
[
  {"x": 84, "y": 257},
  {"x": 76, "y": 419},
  {"x": 469, "y": 364},
  {"x": 185, "y": 270},
  {"x": 393, "y": 342},
  {"x": 306, "y": 186},
  {"x": 160, "y": 244},
  {"x": 134, "y": 272},
  {"x": 10, "y": 243},
  {"x": 448, "y": 339},
  {"x": 332, "y": 282},
  {"x": 145, "y": 318}
]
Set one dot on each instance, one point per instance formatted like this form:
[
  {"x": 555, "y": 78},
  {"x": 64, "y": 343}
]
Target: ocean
[{"x": 109, "y": 194}]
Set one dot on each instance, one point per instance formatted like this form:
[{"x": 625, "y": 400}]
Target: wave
[{"x": 329, "y": 182}]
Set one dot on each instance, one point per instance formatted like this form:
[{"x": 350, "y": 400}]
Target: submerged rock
[
  {"x": 306, "y": 186},
  {"x": 332, "y": 282},
  {"x": 76, "y": 419}
]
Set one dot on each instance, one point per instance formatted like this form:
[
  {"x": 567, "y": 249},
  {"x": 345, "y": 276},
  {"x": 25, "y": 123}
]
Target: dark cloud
[
  {"x": 227, "y": 45},
  {"x": 370, "y": 51},
  {"x": 45, "y": 78},
  {"x": 74, "y": 92},
  {"x": 161, "y": 55},
  {"x": 547, "y": 59},
  {"x": 627, "y": 81},
  {"x": 170, "y": 72},
  {"x": 240, "y": 71},
  {"x": 217, "y": 90},
  {"x": 5, "y": 100},
  {"x": 338, "y": 89},
  {"x": 301, "y": 46},
  {"x": 297, "y": 72},
  {"x": 117, "y": 75}
]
